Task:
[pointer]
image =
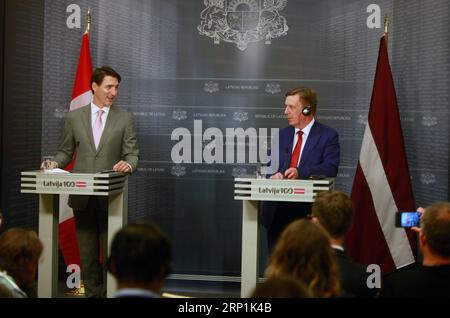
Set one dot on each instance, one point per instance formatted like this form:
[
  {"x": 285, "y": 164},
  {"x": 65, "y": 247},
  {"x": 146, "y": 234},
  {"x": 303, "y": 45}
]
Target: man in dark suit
[
  {"x": 432, "y": 278},
  {"x": 140, "y": 261},
  {"x": 306, "y": 148},
  {"x": 333, "y": 210},
  {"x": 103, "y": 138}
]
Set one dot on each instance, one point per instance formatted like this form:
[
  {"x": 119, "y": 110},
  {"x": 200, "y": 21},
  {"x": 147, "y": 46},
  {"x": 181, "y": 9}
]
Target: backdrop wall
[{"x": 172, "y": 76}]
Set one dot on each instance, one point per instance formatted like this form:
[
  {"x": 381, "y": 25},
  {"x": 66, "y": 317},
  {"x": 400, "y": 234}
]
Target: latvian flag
[{"x": 382, "y": 184}]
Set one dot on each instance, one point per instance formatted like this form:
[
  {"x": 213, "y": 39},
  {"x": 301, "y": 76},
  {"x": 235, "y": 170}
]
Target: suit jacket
[
  {"x": 320, "y": 156},
  {"x": 118, "y": 142},
  {"x": 353, "y": 277},
  {"x": 417, "y": 282}
]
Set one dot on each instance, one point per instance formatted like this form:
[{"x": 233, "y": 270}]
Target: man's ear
[
  {"x": 94, "y": 86},
  {"x": 422, "y": 240},
  {"x": 111, "y": 265},
  {"x": 315, "y": 220}
]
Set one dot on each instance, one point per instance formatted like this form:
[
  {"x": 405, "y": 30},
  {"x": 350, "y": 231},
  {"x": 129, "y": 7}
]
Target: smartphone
[{"x": 407, "y": 219}]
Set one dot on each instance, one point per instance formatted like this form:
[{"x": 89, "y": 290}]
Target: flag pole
[
  {"x": 386, "y": 26},
  {"x": 88, "y": 21}
]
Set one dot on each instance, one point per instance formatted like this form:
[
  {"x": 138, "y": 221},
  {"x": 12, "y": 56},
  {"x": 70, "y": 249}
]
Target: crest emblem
[
  {"x": 240, "y": 116},
  {"x": 179, "y": 114},
  {"x": 273, "y": 88},
  {"x": 362, "y": 119},
  {"x": 60, "y": 113},
  {"x": 428, "y": 178},
  {"x": 239, "y": 172},
  {"x": 211, "y": 87},
  {"x": 243, "y": 21},
  {"x": 429, "y": 121},
  {"x": 178, "y": 171}
]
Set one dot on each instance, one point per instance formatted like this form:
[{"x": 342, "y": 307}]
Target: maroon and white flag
[{"x": 382, "y": 184}]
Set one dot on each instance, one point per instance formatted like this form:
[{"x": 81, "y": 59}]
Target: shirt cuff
[{"x": 131, "y": 168}]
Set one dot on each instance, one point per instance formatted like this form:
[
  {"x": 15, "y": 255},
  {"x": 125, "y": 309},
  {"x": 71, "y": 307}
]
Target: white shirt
[
  {"x": 306, "y": 132},
  {"x": 94, "y": 114}
]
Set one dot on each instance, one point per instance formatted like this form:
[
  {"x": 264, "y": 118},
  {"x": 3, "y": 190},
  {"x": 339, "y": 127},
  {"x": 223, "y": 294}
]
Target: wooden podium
[
  {"x": 250, "y": 191},
  {"x": 48, "y": 185}
]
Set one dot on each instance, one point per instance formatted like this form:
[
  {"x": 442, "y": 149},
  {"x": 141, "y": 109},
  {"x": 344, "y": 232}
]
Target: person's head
[
  {"x": 105, "y": 86},
  {"x": 304, "y": 251},
  {"x": 281, "y": 287},
  {"x": 297, "y": 103},
  {"x": 333, "y": 210},
  {"x": 435, "y": 232},
  {"x": 140, "y": 256},
  {"x": 20, "y": 250}
]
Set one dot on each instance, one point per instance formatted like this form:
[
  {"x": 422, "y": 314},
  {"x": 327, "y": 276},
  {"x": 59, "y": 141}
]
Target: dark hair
[
  {"x": 281, "y": 287},
  {"x": 99, "y": 74},
  {"x": 306, "y": 94},
  {"x": 334, "y": 210},
  {"x": 138, "y": 253},
  {"x": 435, "y": 226},
  {"x": 18, "y": 248}
]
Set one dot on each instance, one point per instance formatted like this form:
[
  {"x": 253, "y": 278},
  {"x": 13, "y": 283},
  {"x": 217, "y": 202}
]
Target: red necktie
[{"x": 296, "y": 153}]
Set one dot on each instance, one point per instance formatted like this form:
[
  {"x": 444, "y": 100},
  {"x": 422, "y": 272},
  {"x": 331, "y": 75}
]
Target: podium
[
  {"x": 47, "y": 184},
  {"x": 250, "y": 191}
]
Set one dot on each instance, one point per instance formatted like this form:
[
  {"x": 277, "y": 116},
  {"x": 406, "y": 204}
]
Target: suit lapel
[
  {"x": 86, "y": 118},
  {"x": 287, "y": 148},
  {"x": 313, "y": 139},
  {"x": 110, "y": 122}
]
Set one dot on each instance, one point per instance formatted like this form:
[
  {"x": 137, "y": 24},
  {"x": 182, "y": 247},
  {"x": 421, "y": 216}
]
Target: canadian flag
[
  {"x": 81, "y": 96},
  {"x": 382, "y": 184}
]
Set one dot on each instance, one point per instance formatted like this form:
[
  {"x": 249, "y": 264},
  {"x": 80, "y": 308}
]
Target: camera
[{"x": 407, "y": 219}]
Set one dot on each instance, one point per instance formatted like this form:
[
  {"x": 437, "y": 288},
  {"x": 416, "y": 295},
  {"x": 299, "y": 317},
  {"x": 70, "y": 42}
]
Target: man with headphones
[{"x": 307, "y": 148}]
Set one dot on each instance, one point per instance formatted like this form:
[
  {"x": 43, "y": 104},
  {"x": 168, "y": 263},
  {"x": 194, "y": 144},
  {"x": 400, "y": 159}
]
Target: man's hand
[
  {"x": 47, "y": 165},
  {"x": 277, "y": 175},
  {"x": 122, "y": 166},
  {"x": 291, "y": 173},
  {"x": 421, "y": 212}
]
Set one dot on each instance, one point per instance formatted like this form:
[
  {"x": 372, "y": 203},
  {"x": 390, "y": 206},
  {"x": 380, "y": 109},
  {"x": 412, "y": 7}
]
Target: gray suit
[{"x": 118, "y": 142}]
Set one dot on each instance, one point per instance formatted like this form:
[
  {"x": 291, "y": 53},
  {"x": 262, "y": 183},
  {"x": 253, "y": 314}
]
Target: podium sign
[
  {"x": 279, "y": 190},
  {"x": 102, "y": 184},
  {"x": 250, "y": 191},
  {"x": 113, "y": 185}
]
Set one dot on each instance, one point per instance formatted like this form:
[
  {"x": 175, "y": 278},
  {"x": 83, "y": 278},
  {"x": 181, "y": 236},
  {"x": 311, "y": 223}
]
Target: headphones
[{"x": 307, "y": 111}]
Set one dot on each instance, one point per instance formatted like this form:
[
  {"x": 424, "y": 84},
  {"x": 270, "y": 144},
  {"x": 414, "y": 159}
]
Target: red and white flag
[
  {"x": 382, "y": 184},
  {"x": 81, "y": 96}
]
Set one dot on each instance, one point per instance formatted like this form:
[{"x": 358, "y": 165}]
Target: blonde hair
[{"x": 304, "y": 251}]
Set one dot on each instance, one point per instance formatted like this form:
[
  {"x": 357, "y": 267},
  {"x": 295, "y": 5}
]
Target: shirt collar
[
  {"x": 307, "y": 129},
  {"x": 137, "y": 292},
  {"x": 95, "y": 108},
  {"x": 337, "y": 247}
]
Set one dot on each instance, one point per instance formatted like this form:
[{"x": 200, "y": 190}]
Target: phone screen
[{"x": 408, "y": 219}]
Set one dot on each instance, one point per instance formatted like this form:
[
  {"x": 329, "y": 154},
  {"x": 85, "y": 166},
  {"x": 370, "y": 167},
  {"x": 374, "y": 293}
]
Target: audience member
[
  {"x": 432, "y": 278},
  {"x": 333, "y": 210},
  {"x": 281, "y": 287},
  {"x": 20, "y": 250},
  {"x": 304, "y": 251},
  {"x": 140, "y": 260}
]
